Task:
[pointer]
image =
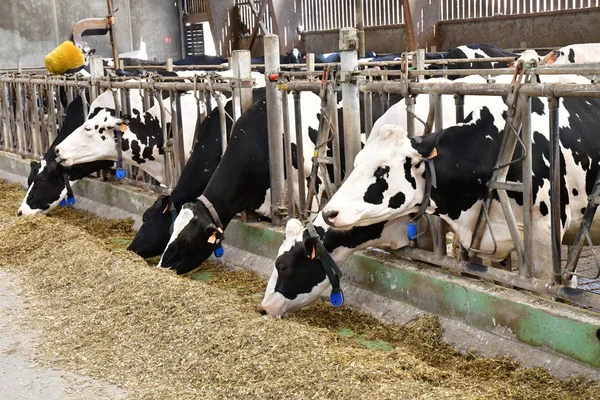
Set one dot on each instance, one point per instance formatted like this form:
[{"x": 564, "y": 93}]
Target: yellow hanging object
[{"x": 63, "y": 58}]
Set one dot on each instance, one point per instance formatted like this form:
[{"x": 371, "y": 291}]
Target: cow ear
[
  {"x": 425, "y": 145},
  {"x": 35, "y": 166},
  {"x": 294, "y": 229},
  {"x": 550, "y": 58}
]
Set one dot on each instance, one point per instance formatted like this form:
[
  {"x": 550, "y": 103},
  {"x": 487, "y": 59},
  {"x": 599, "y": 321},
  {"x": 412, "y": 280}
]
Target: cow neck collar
[
  {"x": 430, "y": 177},
  {"x": 316, "y": 248},
  {"x": 211, "y": 209}
]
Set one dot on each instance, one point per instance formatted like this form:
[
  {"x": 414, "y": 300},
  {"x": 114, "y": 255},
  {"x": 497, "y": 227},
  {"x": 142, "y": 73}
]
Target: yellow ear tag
[
  {"x": 314, "y": 253},
  {"x": 166, "y": 208},
  {"x": 213, "y": 238},
  {"x": 432, "y": 154},
  {"x": 123, "y": 127}
]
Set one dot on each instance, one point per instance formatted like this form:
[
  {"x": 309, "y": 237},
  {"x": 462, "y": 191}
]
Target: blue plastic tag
[
  {"x": 120, "y": 173},
  {"x": 337, "y": 298},
  {"x": 412, "y": 230},
  {"x": 62, "y": 203},
  {"x": 219, "y": 251},
  {"x": 71, "y": 200}
]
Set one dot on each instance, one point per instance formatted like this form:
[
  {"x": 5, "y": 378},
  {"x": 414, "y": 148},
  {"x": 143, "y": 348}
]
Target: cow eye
[
  {"x": 381, "y": 171},
  {"x": 281, "y": 267}
]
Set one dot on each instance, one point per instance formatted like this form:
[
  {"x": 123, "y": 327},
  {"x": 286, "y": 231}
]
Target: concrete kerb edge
[{"x": 477, "y": 317}]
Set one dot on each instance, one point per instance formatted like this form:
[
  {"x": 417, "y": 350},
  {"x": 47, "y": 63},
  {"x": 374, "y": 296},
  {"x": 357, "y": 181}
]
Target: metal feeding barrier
[
  {"x": 32, "y": 113},
  {"x": 33, "y": 108},
  {"x": 351, "y": 79}
]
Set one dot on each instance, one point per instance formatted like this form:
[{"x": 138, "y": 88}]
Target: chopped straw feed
[{"x": 105, "y": 312}]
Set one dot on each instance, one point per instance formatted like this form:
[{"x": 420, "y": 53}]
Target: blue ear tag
[
  {"x": 412, "y": 230},
  {"x": 219, "y": 251},
  {"x": 337, "y": 297},
  {"x": 70, "y": 200},
  {"x": 120, "y": 173},
  {"x": 62, "y": 203}
]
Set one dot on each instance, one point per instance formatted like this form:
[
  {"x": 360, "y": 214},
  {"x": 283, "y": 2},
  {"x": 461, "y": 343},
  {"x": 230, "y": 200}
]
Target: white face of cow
[
  {"x": 387, "y": 182},
  {"x": 94, "y": 140}
]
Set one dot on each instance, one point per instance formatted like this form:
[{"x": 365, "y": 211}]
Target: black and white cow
[
  {"x": 574, "y": 54},
  {"x": 388, "y": 180},
  {"x": 240, "y": 182},
  {"x": 475, "y": 51},
  {"x": 142, "y": 142},
  {"x": 153, "y": 236},
  {"x": 47, "y": 187}
]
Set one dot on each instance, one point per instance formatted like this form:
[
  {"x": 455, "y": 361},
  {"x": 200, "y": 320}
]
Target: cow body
[
  {"x": 240, "y": 182},
  {"x": 142, "y": 142},
  {"x": 388, "y": 179},
  {"x": 153, "y": 236},
  {"x": 46, "y": 179},
  {"x": 574, "y": 54}
]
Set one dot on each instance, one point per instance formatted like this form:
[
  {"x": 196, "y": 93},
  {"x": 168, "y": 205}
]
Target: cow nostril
[
  {"x": 56, "y": 151},
  {"x": 330, "y": 215},
  {"x": 19, "y": 213},
  {"x": 261, "y": 311}
]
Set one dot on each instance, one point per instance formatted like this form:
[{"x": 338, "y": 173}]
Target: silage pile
[{"x": 105, "y": 312}]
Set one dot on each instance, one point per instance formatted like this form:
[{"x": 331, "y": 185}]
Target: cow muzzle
[{"x": 330, "y": 216}]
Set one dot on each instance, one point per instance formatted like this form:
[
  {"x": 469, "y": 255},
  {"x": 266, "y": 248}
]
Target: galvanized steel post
[
  {"x": 242, "y": 71},
  {"x": 96, "y": 72},
  {"x": 310, "y": 63},
  {"x": 300, "y": 155},
  {"x": 275, "y": 126},
  {"x": 350, "y": 99},
  {"x": 526, "y": 263},
  {"x": 555, "y": 207}
]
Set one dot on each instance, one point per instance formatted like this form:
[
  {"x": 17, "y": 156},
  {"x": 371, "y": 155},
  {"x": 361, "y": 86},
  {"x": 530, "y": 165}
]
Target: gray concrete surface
[
  {"x": 30, "y": 29},
  {"x": 21, "y": 378}
]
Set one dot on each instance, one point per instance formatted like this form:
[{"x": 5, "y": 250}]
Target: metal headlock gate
[
  {"x": 32, "y": 113},
  {"x": 348, "y": 78}
]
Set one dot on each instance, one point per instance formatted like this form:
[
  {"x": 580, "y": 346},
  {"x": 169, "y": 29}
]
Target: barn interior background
[
  {"x": 181, "y": 28},
  {"x": 187, "y": 27}
]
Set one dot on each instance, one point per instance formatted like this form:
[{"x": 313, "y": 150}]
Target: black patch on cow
[
  {"x": 125, "y": 144},
  {"x": 136, "y": 111},
  {"x": 297, "y": 273},
  {"x": 96, "y": 127},
  {"x": 312, "y": 134},
  {"x": 103, "y": 137},
  {"x": 353, "y": 238},
  {"x": 147, "y": 153},
  {"x": 97, "y": 110},
  {"x": 408, "y": 174},
  {"x": 537, "y": 106},
  {"x": 136, "y": 151},
  {"x": 374, "y": 193},
  {"x": 571, "y": 56},
  {"x": 543, "y": 208},
  {"x": 101, "y": 130},
  {"x": 294, "y": 155},
  {"x": 575, "y": 192},
  {"x": 582, "y": 211},
  {"x": 397, "y": 200}
]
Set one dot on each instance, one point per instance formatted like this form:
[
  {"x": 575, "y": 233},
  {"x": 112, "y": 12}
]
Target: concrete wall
[
  {"x": 537, "y": 30},
  {"x": 30, "y": 29},
  {"x": 380, "y": 40}
]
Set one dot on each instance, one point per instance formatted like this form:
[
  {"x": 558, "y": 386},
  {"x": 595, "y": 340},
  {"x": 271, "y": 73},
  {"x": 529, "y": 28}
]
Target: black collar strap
[
  {"x": 331, "y": 268},
  {"x": 218, "y": 238},
  {"x": 119, "y": 131}
]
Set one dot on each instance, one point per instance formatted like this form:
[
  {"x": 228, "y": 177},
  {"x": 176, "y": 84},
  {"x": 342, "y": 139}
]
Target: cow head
[
  {"x": 195, "y": 236},
  {"x": 387, "y": 181},
  {"x": 550, "y": 58},
  {"x": 94, "y": 140},
  {"x": 46, "y": 188},
  {"x": 153, "y": 236},
  {"x": 297, "y": 279}
]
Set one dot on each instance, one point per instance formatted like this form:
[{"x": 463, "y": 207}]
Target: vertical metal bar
[
  {"x": 350, "y": 99},
  {"x": 368, "y": 99},
  {"x": 177, "y": 126},
  {"x": 6, "y": 131},
  {"x": 168, "y": 143},
  {"x": 287, "y": 149},
  {"x": 51, "y": 114},
  {"x": 410, "y": 120},
  {"x": 85, "y": 103},
  {"x": 242, "y": 71},
  {"x": 335, "y": 132},
  {"x": 300, "y": 155},
  {"x": 555, "y": 221},
  {"x": 96, "y": 72},
  {"x": 438, "y": 110},
  {"x": 358, "y": 6},
  {"x": 19, "y": 120},
  {"x": 526, "y": 263},
  {"x": 459, "y": 102},
  {"x": 275, "y": 126},
  {"x": 36, "y": 130},
  {"x": 310, "y": 63}
]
